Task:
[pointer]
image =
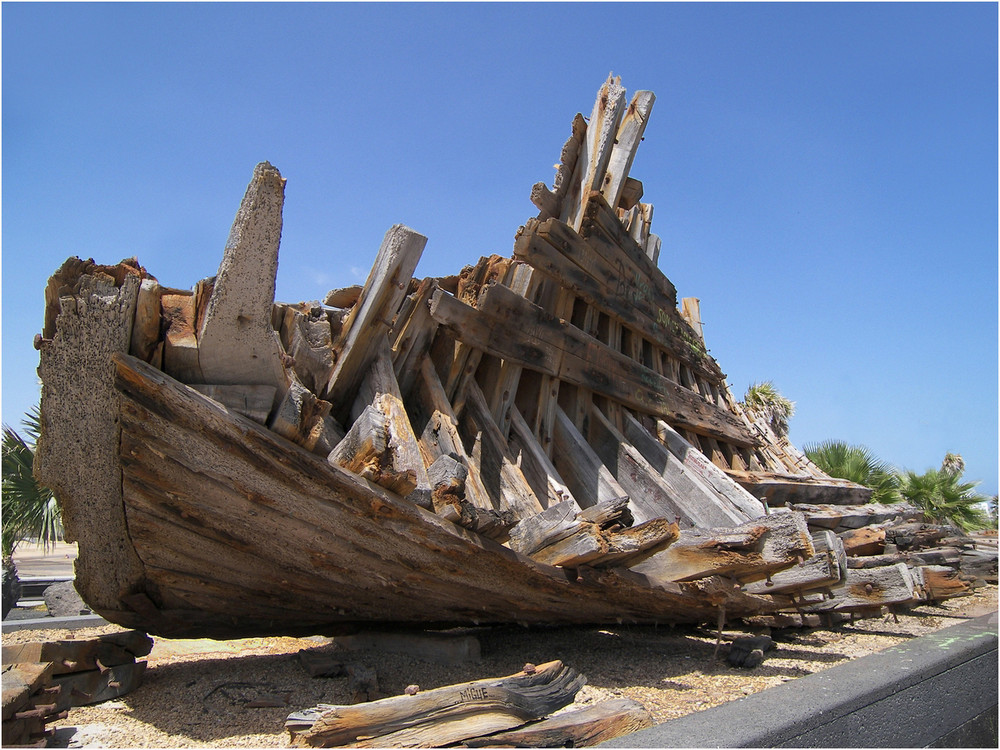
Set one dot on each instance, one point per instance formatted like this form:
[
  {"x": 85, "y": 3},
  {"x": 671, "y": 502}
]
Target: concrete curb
[
  {"x": 52, "y": 623},
  {"x": 939, "y": 690}
]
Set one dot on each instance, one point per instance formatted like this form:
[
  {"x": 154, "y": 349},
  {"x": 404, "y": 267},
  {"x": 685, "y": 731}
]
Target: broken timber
[{"x": 540, "y": 439}]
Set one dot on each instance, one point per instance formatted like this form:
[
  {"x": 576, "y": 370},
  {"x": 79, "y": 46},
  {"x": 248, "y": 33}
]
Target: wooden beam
[
  {"x": 698, "y": 503},
  {"x": 536, "y": 466},
  {"x": 371, "y": 317},
  {"x": 472, "y": 709},
  {"x": 586, "y": 475},
  {"x": 627, "y": 141},
  {"x": 747, "y": 552},
  {"x": 499, "y": 474},
  {"x": 613, "y": 284},
  {"x": 695, "y": 462},
  {"x": 595, "y": 153},
  {"x": 583, "y": 727},
  {"x": 507, "y": 325}
]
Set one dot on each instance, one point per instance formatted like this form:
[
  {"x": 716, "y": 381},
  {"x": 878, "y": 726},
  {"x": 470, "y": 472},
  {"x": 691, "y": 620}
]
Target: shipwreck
[{"x": 538, "y": 439}]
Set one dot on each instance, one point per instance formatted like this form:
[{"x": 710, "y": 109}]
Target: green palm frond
[
  {"x": 30, "y": 511},
  {"x": 857, "y": 464},
  {"x": 766, "y": 400},
  {"x": 944, "y": 497}
]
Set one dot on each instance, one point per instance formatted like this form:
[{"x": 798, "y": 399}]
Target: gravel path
[{"x": 205, "y": 693}]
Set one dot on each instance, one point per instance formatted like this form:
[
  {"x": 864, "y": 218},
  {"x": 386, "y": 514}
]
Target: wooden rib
[
  {"x": 371, "y": 317},
  {"x": 627, "y": 141},
  {"x": 508, "y": 326}
]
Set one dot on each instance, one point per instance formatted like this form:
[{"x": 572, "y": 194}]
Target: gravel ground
[{"x": 201, "y": 693}]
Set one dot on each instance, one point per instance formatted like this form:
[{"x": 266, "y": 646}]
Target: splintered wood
[{"x": 541, "y": 438}]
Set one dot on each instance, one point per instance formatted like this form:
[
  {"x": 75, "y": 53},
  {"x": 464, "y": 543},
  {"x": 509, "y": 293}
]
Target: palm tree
[
  {"x": 945, "y": 498},
  {"x": 30, "y": 510},
  {"x": 857, "y": 464},
  {"x": 953, "y": 464},
  {"x": 767, "y": 401}
]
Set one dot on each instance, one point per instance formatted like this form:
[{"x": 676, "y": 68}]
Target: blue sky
[{"x": 824, "y": 176}]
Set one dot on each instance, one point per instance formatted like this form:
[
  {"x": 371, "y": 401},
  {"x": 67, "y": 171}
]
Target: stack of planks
[
  {"x": 42, "y": 680},
  {"x": 540, "y": 438}
]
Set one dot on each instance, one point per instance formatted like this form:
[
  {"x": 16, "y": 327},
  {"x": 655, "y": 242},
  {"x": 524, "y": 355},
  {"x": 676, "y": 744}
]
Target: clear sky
[{"x": 824, "y": 176}]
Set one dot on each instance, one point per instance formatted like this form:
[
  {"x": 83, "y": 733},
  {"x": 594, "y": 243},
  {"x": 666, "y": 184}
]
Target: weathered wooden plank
[
  {"x": 414, "y": 338},
  {"x": 501, "y": 477},
  {"x": 236, "y": 343},
  {"x": 588, "y": 478},
  {"x": 98, "y": 685},
  {"x": 369, "y": 319},
  {"x": 595, "y": 153},
  {"x": 20, "y": 682},
  {"x": 824, "y": 569},
  {"x": 433, "y": 718},
  {"x": 82, "y": 655},
  {"x": 252, "y": 401},
  {"x": 843, "y": 517},
  {"x": 661, "y": 487},
  {"x": 627, "y": 141},
  {"x": 613, "y": 284},
  {"x": 440, "y": 435},
  {"x": 307, "y": 338},
  {"x": 864, "y": 589},
  {"x": 937, "y": 582},
  {"x": 509, "y": 326},
  {"x": 695, "y": 461},
  {"x": 747, "y": 552},
  {"x": 146, "y": 327},
  {"x": 584, "y": 727},
  {"x": 180, "y": 343},
  {"x": 538, "y": 469}
]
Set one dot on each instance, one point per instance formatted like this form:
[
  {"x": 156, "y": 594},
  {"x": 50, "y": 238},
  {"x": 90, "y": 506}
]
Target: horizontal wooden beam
[
  {"x": 613, "y": 285},
  {"x": 509, "y": 326}
]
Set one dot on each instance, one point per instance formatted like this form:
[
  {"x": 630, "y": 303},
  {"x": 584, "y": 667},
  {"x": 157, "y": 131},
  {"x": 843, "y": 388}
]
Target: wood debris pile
[
  {"x": 43, "y": 680},
  {"x": 542, "y": 438}
]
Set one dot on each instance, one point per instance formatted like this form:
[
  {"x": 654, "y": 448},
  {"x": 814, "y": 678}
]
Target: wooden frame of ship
[{"x": 540, "y": 439}]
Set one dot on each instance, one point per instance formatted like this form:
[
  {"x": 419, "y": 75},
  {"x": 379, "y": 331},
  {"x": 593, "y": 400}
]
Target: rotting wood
[
  {"x": 747, "y": 552},
  {"x": 433, "y": 718},
  {"x": 590, "y": 172},
  {"x": 583, "y": 727},
  {"x": 864, "y": 589},
  {"x": 626, "y": 144},
  {"x": 372, "y": 316}
]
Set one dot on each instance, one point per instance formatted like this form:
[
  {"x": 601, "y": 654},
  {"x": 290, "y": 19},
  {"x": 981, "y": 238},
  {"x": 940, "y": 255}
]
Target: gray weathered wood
[
  {"x": 596, "y": 149},
  {"x": 696, "y": 462},
  {"x": 252, "y": 401},
  {"x": 629, "y": 136},
  {"x": 438, "y": 717},
  {"x": 498, "y": 473},
  {"x": 583, "y": 727},
  {"x": 747, "y": 552},
  {"x": 588, "y": 478},
  {"x": 371, "y": 317},
  {"x": 536, "y": 466},
  {"x": 864, "y": 589}
]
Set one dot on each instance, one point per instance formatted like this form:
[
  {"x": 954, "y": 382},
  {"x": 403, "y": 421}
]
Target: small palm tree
[
  {"x": 945, "y": 498},
  {"x": 30, "y": 510},
  {"x": 857, "y": 464},
  {"x": 767, "y": 401},
  {"x": 953, "y": 463}
]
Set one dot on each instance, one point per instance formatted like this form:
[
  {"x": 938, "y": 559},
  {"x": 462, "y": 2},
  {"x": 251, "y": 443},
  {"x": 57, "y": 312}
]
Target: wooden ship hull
[{"x": 541, "y": 439}]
